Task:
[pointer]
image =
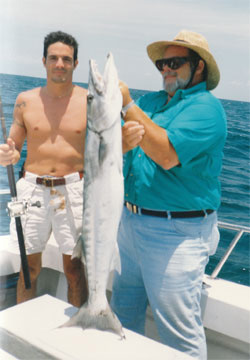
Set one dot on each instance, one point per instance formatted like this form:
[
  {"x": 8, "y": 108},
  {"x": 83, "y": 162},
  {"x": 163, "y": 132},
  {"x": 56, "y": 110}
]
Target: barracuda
[{"x": 103, "y": 197}]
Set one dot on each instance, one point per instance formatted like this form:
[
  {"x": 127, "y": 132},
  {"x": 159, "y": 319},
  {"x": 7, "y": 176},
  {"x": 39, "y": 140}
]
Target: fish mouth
[
  {"x": 96, "y": 78},
  {"x": 102, "y": 85}
]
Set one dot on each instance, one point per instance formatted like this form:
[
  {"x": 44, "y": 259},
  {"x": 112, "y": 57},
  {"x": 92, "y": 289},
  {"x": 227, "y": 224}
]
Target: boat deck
[{"x": 30, "y": 331}]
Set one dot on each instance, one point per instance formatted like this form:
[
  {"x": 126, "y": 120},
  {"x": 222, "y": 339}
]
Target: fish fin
[
  {"x": 102, "y": 320},
  {"x": 116, "y": 260},
  {"x": 78, "y": 251}
]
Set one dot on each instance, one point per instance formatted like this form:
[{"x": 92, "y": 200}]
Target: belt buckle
[
  {"x": 129, "y": 206},
  {"x": 48, "y": 182},
  {"x": 134, "y": 209}
]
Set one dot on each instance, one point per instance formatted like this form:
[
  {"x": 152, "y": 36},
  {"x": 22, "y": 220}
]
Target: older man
[{"x": 173, "y": 141}]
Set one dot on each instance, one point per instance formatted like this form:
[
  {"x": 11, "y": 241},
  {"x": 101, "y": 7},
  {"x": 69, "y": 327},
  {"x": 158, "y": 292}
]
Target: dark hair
[
  {"x": 195, "y": 58},
  {"x": 60, "y": 36}
]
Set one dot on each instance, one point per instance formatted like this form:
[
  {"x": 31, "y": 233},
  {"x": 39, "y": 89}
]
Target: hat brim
[{"x": 157, "y": 49}]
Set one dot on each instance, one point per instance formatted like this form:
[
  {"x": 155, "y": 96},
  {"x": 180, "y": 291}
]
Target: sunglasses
[{"x": 173, "y": 63}]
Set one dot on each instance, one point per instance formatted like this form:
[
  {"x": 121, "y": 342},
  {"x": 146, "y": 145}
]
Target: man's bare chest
[{"x": 60, "y": 118}]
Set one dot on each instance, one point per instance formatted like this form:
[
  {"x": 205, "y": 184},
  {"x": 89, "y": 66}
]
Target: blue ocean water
[{"x": 235, "y": 207}]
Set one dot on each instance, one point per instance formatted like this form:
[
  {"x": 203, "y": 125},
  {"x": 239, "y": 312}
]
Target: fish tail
[
  {"x": 78, "y": 251},
  {"x": 102, "y": 320}
]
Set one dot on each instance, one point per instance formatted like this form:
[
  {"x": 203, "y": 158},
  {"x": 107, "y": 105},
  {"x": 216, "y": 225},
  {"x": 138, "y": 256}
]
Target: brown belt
[
  {"x": 168, "y": 214},
  {"x": 51, "y": 182}
]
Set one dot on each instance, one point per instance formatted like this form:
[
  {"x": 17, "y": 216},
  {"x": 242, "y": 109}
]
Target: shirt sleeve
[{"x": 197, "y": 129}]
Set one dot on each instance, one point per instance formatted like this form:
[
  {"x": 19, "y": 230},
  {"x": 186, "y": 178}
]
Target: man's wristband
[{"x": 125, "y": 108}]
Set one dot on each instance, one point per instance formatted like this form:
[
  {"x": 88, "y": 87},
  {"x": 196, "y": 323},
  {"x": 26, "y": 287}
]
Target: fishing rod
[{"x": 16, "y": 209}]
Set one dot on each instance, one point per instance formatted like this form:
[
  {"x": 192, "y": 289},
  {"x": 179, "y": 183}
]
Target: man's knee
[
  {"x": 73, "y": 268},
  {"x": 34, "y": 264}
]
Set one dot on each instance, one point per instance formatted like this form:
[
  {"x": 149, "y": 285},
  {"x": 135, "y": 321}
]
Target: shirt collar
[
  {"x": 180, "y": 94},
  {"x": 199, "y": 87},
  {"x": 184, "y": 93}
]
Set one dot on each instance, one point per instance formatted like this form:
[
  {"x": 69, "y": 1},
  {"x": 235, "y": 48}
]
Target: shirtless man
[{"x": 53, "y": 120}]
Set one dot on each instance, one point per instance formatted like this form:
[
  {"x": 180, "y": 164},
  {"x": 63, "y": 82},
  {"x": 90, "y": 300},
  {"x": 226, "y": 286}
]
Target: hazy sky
[{"x": 125, "y": 28}]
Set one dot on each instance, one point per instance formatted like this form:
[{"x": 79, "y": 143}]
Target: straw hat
[{"x": 195, "y": 42}]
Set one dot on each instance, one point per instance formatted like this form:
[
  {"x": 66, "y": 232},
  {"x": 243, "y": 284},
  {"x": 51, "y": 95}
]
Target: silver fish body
[{"x": 103, "y": 197}]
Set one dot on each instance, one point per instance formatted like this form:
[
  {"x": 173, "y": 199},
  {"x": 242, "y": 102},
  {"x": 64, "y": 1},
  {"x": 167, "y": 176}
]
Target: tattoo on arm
[
  {"x": 19, "y": 105},
  {"x": 23, "y": 103}
]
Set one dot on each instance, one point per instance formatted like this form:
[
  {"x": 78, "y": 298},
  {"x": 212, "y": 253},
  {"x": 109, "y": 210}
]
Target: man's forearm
[{"x": 155, "y": 142}]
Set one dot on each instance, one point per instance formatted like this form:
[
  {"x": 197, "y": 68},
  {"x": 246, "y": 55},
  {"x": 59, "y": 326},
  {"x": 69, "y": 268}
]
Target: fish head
[{"x": 104, "y": 96}]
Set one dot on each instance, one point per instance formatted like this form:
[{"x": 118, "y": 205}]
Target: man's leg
[
  {"x": 77, "y": 284},
  {"x": 178, "y": 252},
  {"x": 34, "y": 263},
  {"x": 129, "y": 299}
]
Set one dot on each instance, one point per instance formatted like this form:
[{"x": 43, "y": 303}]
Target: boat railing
[{"x": 239, "y": 229}]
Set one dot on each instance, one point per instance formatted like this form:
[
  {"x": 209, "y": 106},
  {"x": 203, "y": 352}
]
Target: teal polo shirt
[{"x": 195, "y": 123}]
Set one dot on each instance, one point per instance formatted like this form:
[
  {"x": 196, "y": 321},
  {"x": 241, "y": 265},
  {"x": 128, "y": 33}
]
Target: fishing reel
[{"x": 16, "y": 208}]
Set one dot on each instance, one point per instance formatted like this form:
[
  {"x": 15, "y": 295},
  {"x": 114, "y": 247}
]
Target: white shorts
[{"x": 60, "y": 212}]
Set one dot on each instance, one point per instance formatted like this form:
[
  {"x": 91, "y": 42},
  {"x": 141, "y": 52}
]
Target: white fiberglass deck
[{"x": 32, "y": 327}]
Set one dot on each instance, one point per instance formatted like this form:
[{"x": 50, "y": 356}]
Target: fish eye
[{"x": 90, "y": 97}]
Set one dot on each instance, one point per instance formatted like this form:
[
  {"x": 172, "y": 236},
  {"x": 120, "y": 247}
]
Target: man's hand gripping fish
[{"x": 103, "y": 197}]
